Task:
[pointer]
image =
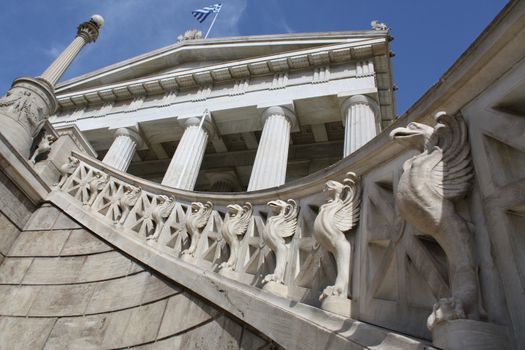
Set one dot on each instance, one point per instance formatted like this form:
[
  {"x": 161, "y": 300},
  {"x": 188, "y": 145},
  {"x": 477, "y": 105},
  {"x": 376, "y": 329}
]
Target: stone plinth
[
  {"x": 470, "y": 335},
  {"x": 337, "y": 305}
]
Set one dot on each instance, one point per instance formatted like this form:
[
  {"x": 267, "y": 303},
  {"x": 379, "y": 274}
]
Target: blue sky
[{"x": 429, "y": 35}]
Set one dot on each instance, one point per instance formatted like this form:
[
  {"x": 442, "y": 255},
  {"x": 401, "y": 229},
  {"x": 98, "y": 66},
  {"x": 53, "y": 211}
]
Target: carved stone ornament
[
  {"x": 376, "y": 25},
  {"x": 234, "y": 226},
  {"x": 191, "y": 34},
  {"x": 96, "y": 185},
  {"x": 335, "y": 218},
  {"x": 431, "y": 182},
  {"x": 23, "y": 111},
  {"x": 195, "y": 223},
  {"x": 128, "y": 200},
  {"x": 160, "y": 213},
  {"x": 67, "y": 169},
  {"x": 281, "y": 226},
  {"x": 44, "y": 146}
]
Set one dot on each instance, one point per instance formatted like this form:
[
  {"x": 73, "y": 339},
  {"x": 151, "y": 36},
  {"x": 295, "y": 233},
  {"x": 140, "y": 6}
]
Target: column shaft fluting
[
  {"x": 186, "y": 162},
  {"x": 121, "y": 152},
  {"x": 269, "y": 168},
  {"x": 62, "y": 62},
  {"x": 86, "y": 32},
  {"x": 359, "y": 118}
]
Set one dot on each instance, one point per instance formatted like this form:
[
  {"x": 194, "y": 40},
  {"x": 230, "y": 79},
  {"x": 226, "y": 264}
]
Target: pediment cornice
[{"x": 311, "y": 58}]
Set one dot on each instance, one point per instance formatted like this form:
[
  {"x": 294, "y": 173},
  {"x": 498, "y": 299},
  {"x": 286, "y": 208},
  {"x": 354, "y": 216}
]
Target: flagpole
[{"x": 211, "y": 25}]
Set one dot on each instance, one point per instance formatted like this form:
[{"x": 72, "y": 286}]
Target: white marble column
[
  {"x": 186, "y": 162},
  {"x": 87, "y": 32},
  {"x": 269, "y": 168},
  {"x": 360, "y": 121},
  {"x": 122, "y": 149}
]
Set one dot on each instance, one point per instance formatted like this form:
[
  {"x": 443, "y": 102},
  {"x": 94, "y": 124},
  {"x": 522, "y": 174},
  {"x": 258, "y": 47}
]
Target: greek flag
[{"x": 203, "y": 13}]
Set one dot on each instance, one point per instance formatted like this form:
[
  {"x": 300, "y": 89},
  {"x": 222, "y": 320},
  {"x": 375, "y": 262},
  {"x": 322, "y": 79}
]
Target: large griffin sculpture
[
  {"x": 234, "y": 226},
  {"x": 430, "y": 183},
  {"x": 67, "y": 169},
  {"x": 336, "y": 217},
  {"x": 128, "y": 200},
  {"x": 197, "y": 220},
  {"x": 280, "y": 226},
  {"x": 160, "y": 213}
]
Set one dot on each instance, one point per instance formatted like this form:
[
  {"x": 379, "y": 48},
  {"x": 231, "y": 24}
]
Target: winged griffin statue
[
  {"x": 160, "y": 213},
  {"x": 234, "y": 226},
  {"x": 279, "y": 227},
  {"x": 431, "y": 182},
  {"x": 195, "y": 223},
  {"x": 95, "y": 185},
  {"x": 67, "y": 169},
  {"x": 128, "y": 200},
  {"x": 335, "y": 218}
]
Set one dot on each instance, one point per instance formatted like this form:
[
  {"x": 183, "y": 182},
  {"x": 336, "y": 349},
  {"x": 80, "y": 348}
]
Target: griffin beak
[{"x": 412, "y": 136}]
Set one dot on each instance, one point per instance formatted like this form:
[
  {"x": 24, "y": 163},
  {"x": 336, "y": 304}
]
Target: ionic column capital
[
  {"x": 359, "y": 99},
  {"x": 279, "y": 110}
]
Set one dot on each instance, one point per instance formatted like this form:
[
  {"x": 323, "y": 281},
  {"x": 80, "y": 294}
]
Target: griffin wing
[
  {"x": 202, "y": 219},
  {"x": 348, "y": 215},
  {"x": 452, "y": 174},
  {"x": 242, "y": 224},
  {"x": 287, "y": 227},
  {"x": 168, "y": 206}
]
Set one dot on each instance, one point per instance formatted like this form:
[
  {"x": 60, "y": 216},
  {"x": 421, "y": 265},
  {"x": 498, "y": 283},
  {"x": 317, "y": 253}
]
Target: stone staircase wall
[{"x": 61, "y": 287}]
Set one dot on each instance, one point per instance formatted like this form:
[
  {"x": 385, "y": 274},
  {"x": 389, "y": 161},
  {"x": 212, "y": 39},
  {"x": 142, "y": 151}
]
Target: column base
[
  {"x": 469, "y": 335},
  {"x": 337, "y": 305},
  {"x": 276, "y": 288}
]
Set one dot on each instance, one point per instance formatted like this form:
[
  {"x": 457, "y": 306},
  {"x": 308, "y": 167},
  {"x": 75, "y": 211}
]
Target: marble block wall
[{"x": 61, "y": 287}]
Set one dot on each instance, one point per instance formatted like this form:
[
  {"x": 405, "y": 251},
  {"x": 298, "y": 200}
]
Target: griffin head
[
  {"x": 197, "y": 207},
  {"x": 234, "y": 210},
  {"x": 164, "y": 199},
  {"x": 415, "y": 135},
  {"x": 277, "y": 206},
  {"x": 333, "y": 189}
]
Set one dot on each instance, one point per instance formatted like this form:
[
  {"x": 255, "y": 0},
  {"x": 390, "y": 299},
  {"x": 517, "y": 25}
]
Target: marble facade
[{"x": 412, "y": 240}]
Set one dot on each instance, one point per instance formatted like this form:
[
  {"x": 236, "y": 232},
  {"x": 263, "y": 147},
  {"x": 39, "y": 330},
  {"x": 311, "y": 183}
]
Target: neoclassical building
[
  {"x": 260, "y": 193},
  {"x": 235, "y": 114}
]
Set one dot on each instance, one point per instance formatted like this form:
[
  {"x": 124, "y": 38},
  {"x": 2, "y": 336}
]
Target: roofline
[{"x": 318, "y": 36}]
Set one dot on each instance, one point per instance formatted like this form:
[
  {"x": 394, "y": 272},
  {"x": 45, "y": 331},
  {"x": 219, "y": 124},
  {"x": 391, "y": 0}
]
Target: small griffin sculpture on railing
[
  {"x": 96, "y": 185},
  {"x": 195, "y": 223},
  {"x": 159, "y": 214},
  {"x": 67, "y": 169},
  {"x": 336, "y": 217},
  {"x": 127, "y": 201},
  {"x": 431, "y": 182},
  {"x": 234, "y": 226},
  {"x": 281, "y": 226}
]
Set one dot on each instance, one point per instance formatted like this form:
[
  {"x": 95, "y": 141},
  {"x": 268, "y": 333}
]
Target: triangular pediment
[{"x": 193, "y": 56}]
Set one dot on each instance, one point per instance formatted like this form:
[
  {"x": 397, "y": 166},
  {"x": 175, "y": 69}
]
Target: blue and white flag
[{"x": 203, "y": 13}]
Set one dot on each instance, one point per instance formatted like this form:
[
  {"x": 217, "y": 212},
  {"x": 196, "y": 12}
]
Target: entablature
[{"x": 234, "y": 73}]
